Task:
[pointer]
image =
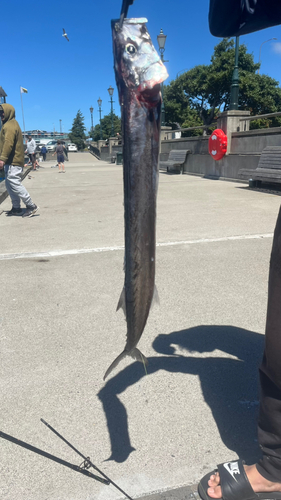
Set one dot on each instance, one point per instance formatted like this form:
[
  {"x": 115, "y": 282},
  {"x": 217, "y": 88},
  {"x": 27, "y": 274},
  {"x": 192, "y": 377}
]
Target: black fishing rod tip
[{"x": 124, "y": 11}]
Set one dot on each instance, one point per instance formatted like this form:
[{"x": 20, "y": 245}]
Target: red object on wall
[{"x": 217, "y": 144}]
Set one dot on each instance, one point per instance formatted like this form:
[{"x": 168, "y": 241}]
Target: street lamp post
[
  {"x": 234, "y": 91},
  {"x": 99, "y": 104},
  {"x": 260, "y": 51},
  {"x": 161, "y": 39},
  {"x": 3, "y": 95},
  {"x": 110, "y": 91},
  {"x": 91, "y": 111}
]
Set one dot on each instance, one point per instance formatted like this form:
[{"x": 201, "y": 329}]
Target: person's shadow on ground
[{"x": 229, "y": 386}]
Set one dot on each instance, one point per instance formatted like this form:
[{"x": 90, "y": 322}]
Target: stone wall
[
  {"x": 244, "y": 148},
  {"x": 254, "y": 141}
]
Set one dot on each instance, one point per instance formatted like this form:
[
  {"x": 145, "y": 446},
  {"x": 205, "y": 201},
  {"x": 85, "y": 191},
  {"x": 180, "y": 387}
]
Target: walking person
[
  {"x": 44, "y": 152},
  {"x": 65, "y": 150},
  {"x": 12, "y": 160},
  {"x": 31, "y": 150},
  {"x": 60, "y": 149}
]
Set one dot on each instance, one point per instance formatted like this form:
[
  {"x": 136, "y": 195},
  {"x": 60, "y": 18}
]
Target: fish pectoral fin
[
  {"x": 115, "y": 363},
  {"x": 122, "y": 302},
  {"x": 155, "y": 298},
  {"x": 138, "y": 355}
]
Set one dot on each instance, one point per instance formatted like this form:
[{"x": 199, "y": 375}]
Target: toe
[
  {"x": 214, "y": 492},
  {"x": 214, "y": 480}
]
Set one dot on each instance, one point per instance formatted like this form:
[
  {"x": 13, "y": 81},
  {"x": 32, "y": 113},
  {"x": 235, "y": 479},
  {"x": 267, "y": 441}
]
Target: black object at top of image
[{"x": 240, "y": 17}]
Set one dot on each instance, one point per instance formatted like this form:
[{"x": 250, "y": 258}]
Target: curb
[{"x": 183, "y": 493}]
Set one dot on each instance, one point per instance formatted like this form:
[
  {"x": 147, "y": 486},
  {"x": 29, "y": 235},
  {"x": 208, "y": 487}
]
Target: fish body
[{"x": 139, "y": 72}]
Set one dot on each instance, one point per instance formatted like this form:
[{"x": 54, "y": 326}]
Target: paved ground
[{"x": 61, "y": 274}]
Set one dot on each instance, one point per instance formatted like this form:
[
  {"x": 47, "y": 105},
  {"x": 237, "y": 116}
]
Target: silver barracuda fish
[{"x": 139, "y": 72}]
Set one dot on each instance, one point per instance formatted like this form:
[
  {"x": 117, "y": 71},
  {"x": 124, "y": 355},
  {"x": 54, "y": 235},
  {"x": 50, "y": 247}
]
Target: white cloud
[{"x": 277, "y": 48}]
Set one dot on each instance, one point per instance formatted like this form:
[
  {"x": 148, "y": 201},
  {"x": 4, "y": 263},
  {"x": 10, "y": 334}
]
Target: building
[{"x": 43, "y": 134}]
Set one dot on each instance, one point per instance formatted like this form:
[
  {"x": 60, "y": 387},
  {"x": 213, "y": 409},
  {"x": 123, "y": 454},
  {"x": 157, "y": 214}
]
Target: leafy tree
[
  {"x": 106, "y": 127},
  {"x": 205, "y": 89},
  {"x": 77, "y": 132}
]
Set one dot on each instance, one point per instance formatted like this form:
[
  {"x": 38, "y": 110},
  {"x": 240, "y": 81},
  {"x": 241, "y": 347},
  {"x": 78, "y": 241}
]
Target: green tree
[
  {"x": 205, "y": 89},
  {"x": 106, "y": 127},
  {"x": 77, "y": 132}
]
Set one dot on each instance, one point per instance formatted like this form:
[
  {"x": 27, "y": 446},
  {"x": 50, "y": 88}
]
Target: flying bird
[{"x": 65, "y": 34}]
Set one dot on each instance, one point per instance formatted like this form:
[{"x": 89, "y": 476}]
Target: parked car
[
  {"x": 72, "y": 147},
  {"x": 51, "y": 145}
]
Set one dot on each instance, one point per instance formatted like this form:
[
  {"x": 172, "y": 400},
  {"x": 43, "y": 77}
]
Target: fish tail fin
[
  {"x": 134, "y": 353},
  {"x": 122, "y": 302},
  {"x": 115, "y": 363},
  {"x": 138, "y": 355}
]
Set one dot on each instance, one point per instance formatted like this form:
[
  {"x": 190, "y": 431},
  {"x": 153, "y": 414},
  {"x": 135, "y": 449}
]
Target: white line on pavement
[{"x": 59, "y": 253}]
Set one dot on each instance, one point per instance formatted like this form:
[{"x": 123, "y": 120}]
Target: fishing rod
[
  {"x": 87, "y": 461},
  {"x": 124, "y": 11},
  {"x": 52, "y": 457},
  {"x": 83, "y": 468}
]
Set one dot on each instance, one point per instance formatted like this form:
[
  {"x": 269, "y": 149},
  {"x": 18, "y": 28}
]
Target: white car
[{"x": 72, "y": 147}]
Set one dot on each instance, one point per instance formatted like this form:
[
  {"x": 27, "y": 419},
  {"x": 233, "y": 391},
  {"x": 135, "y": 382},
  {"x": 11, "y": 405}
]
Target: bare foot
[{"x": 258, "y": 483}]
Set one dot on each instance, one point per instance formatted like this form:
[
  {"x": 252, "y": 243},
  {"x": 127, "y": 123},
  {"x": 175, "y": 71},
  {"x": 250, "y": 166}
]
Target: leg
[
  {"x": 34, "y": 161},
  {"x": 59, "y": 166},
  {"x": 266, "y": 475},
  {"x": 15, "y": 199},
  {"x": 269, "y": 425},
  {"x": 15, "y": 188},
  {"x": 63, "y": 167}
]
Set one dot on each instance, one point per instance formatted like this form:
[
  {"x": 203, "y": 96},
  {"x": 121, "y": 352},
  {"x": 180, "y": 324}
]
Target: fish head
[{"x": 136, "y": 62}]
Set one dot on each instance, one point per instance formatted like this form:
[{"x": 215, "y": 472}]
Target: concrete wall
[
  {"x": 227, "y": 168},
  {"x": 254, "y": 141},
  {"x": 197, "y": 145},
  {"x": 246, "y": 148},
  {"x": 104, "y": 153}
]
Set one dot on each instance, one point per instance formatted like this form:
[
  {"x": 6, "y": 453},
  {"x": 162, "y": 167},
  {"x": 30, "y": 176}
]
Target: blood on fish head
[{"x": 137, "y": 63}]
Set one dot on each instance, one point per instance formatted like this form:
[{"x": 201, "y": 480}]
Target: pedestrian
[
  {"x": 44, "y": 152},
  {"x": 234, "y": 480},
  {"x": 12, "y": 160},
  {"x": 66, "y": 150},
  {"x": 31, "y": 150},
  {"x": 60, "y": 149}
]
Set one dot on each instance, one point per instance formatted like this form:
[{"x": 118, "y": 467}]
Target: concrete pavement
[{"x": 61, "y": 274}]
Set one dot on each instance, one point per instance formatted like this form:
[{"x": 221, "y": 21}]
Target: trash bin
[{"x": 119, "y": 158}]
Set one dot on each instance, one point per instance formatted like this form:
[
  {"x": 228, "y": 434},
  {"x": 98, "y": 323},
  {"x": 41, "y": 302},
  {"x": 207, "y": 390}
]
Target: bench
[
  {"x": 175, "y": 162},
  {"x": 268, "y": 169}
]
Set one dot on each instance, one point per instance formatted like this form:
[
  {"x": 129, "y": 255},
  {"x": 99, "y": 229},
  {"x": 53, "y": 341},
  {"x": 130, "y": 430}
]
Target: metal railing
[
  {"x": 191, "y": 128},
  {"x": 95, "y": 151},
  {"x": 258, "y": 117}
]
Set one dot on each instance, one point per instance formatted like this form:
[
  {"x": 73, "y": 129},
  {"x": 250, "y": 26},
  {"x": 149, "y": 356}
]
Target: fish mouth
[
  {"x": 153, "y": 77},
  {"x": 150, "y": 94}
]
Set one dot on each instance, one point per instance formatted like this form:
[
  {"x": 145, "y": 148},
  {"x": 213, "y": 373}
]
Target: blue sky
[{"x": 62, "y": 77}]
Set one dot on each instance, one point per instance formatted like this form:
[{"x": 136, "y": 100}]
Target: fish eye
[{"x": 130, "y": 49}]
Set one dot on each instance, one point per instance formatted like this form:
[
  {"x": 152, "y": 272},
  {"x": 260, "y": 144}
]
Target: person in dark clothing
[
  {"x": 234, "y": 480},
  {"x": 44, "y": 152},
  {"x": 60, "y": 149}
]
